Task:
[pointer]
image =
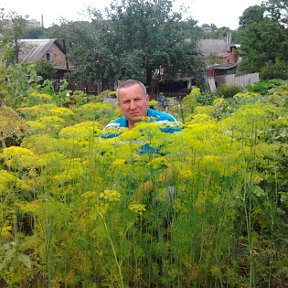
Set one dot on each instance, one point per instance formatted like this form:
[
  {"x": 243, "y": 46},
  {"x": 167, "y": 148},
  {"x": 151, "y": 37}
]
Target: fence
[{"x": 242, "y": 80}]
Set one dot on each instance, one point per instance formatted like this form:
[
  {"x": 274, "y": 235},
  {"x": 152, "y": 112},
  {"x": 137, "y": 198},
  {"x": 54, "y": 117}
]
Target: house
[
  {"x": 226, "y": 57},
  {"x": 213, "y": 46},
  {"x": 50, "y": 50}
]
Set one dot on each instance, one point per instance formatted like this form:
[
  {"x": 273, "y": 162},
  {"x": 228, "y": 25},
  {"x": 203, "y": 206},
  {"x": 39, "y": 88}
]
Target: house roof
[
  {"x": 35, "y": 49},
  {"x": 222, "y": 67},
  {"x": 213, "y": 46}
]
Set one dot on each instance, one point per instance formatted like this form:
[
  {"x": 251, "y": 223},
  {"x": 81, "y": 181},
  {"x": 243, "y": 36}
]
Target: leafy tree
[
  {"x": 34, "y": 33},
  {"x": 134, "y": 40},
  {"x": 264, "y": 40},
  {"x": 278, "y": 10},
  {"x": 45, "y": 69},
  {"x": 13, "y": 28},
  {"x": 15, "y": 82},
  {"x": 251, "y": 15}
]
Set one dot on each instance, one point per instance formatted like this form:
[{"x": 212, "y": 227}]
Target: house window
[{"x": 48, "y": 56}]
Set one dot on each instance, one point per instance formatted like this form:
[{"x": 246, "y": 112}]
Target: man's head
[{"x": 132, "y": 101}]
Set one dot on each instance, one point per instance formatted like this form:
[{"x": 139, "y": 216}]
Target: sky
[{"x": 219, "y": 12}]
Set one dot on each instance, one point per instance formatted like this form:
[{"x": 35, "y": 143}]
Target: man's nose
[{"x": 132, "y": 105}]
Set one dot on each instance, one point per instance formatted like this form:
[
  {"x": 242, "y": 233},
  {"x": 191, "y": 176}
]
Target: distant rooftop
[
  {"x": 213, "y": 46},
  {"x": 34, "y": 49}
]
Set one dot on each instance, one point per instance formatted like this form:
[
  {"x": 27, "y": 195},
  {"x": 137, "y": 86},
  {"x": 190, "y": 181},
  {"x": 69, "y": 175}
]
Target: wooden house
[{"x": 50, "y": 50}]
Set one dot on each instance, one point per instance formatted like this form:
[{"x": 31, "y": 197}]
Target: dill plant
[{"x": 202, "y": 208}]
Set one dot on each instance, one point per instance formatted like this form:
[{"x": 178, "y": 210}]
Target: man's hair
[{"x": 128, "y": 83}]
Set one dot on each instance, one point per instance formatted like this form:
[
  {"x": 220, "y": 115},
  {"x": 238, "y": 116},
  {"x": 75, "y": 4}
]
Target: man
[{"x": 133, "y": 103}]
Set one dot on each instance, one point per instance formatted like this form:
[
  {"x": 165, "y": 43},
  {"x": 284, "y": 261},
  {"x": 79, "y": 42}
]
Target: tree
[
  {"x": 134, "y": 40},
  {"x": 264, "y": 40},
  {"x": 278, "y": 10},
  {"x": 13, "y": 27},
  {"x": 45, "y": 69},
  {"x": 251, "y": 15},
  {"x": 34, "y": 33}
]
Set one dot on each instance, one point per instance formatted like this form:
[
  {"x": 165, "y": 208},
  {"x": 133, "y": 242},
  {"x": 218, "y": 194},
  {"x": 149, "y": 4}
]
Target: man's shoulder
[
  {"x": 120, "y": 122},
  {"x": 165, "y": 119},
  {"x": 160, "y": 116},
  {"x": 112, "y": 129}
]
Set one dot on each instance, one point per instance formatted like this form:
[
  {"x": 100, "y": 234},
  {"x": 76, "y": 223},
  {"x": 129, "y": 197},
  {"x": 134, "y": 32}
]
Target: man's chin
[{"x": 136, "y": 118}]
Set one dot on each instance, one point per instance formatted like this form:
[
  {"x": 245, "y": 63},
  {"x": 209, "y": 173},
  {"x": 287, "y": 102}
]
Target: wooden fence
[
  {"x": 241, "y": 80},
  {"x": 231, "y": 79}
]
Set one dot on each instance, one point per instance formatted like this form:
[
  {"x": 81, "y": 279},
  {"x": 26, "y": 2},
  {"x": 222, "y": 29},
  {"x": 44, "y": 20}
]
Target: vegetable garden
[{"x": 206, "y": 208}]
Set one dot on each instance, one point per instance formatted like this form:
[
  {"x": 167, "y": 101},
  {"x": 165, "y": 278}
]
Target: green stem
[{"x": 113, "y": 251}]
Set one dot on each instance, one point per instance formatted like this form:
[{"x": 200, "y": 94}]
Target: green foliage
[
  {"x": 34, "y": 33},
  {"x": 11, "y": 36},
  {"x": 264, "y": 86},
  {"x": 190, "y": 101},
  {"x": 133, "y": 42},
  {"x": 9, "y": 131},
  {"x": 208, "y": 209},
  {"x": 229, "y": 91},
  {"x": 45, "y": 69},
  {"x": 15, "y": 82},
  {"x": 263, "y": 42},
  {"x": 277, "y": 70}
]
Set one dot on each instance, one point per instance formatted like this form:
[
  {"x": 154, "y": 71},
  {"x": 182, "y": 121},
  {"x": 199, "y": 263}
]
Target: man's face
[{"x": 133, "y": 103}]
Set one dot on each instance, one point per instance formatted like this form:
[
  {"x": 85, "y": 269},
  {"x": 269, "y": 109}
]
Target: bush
[
  {"x": 264, "y": 86},
  {"x": 228, "y": 91},
  {"x": 278, "y": 70}
]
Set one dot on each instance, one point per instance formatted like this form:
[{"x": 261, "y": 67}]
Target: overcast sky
[{"x": 219, "y": 12}]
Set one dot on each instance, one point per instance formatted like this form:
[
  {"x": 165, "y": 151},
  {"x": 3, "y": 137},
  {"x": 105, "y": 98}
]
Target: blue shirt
[{"x": 153, "y": 115}]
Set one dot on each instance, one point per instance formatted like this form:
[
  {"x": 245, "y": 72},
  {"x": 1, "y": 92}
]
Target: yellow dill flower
[
  {"x": 137, "y": 208},
  {"x": 110, "y": 195},
  {"x": 200, "y": 118},
  {"x": 97, "y": 110},
  {"x": 46, "y": 143},
  {"x": 208, "y": 110},
  {"x": 19, "y": 157},
  {"x": 219, "y": 102},
  {"x": 37, "y": 110},
  {"x": 159, "y": 162},
  {"x": 23, "y": 185},
  {"x": 251, "y": 111},
  {"x": 211, "y": 162},
  {"x": 28, "y": 207},
  {"x": 244, "y": 95},
  {"x": 70, "y": 174},
  {"x": 89, "y": 194},
  {"x": 36, "y": 125},
  {"x": 185, "y": 174},
  {"x": 5, "y": 232},
  {"x": 119, "y": 163},
  {"x": 6, "y": 177},
  {"x": 39, "y": 97},
  {"x": 47, "y": 123},
  {"x": 61, "y": 111},
  {"x": 83, "y": 130},
  {"x": 153, "y": 102}
]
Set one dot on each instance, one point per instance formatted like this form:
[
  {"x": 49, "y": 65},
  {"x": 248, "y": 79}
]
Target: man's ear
[{"x": 147, "y": 98}]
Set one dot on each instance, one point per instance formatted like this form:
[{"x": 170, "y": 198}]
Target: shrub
[{"x": 229, "y": 91}]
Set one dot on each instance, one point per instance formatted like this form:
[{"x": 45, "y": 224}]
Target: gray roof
[
  {"x": 34, "y": 49},
  {"x": 213, "y": 46}
]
